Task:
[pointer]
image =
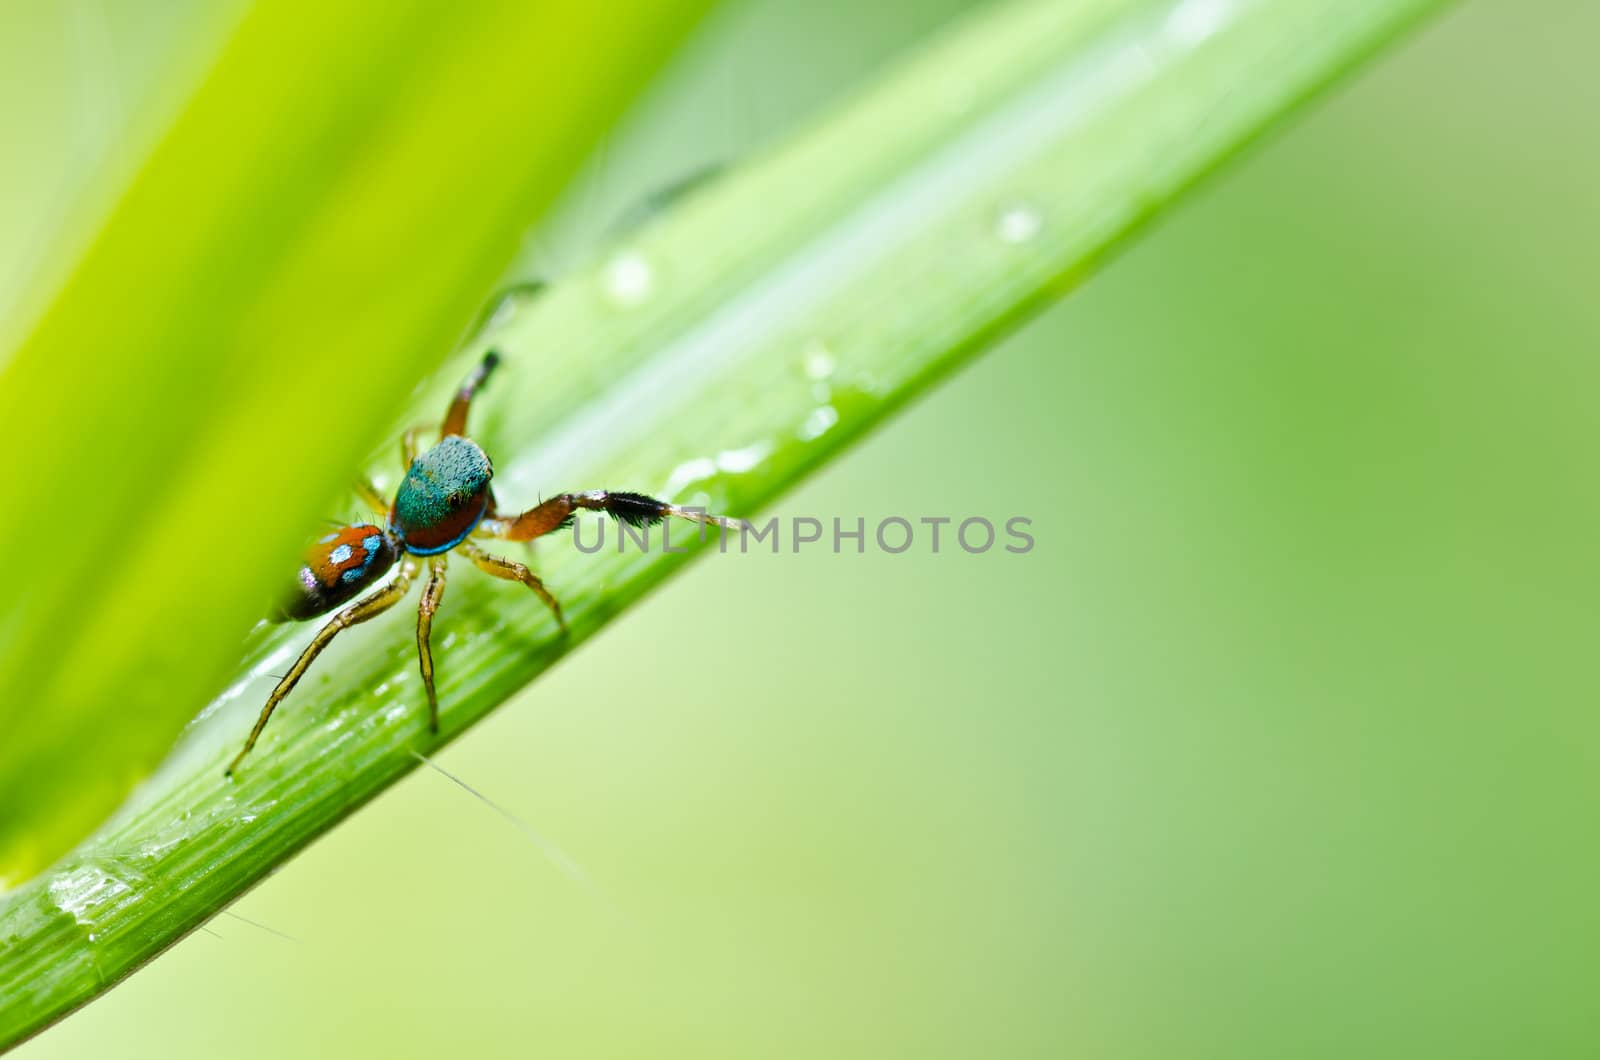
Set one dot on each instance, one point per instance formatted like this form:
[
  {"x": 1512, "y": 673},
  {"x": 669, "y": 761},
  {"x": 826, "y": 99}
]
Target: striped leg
[
  {"x": 372, "y": 498},
  {"x": 355, "y": 614},
  {"x": 512, "y": 571},
  {"x": 635, "y": 509},
  {"x": 432, "y": 593},
  {"x": 455, "y": 417}
]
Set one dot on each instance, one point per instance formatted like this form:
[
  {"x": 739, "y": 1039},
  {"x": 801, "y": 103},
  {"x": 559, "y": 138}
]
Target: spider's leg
[
  {"x": 357, "y": 612},
  {"x": 432, "y": 593},
  {"x": 513, "y": 571},
  {"x": 374, "y": 500},
  {"x": 635, "y": 509},
  {"x": 455, "y": 417},
  {"x": 410, "y": 447}
]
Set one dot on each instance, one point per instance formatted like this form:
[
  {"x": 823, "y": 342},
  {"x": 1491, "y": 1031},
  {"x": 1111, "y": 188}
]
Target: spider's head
[{"x": 443, "y": 496}]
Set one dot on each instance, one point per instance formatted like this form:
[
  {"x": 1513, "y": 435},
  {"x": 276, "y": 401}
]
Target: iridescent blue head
[{"x": 443, "y": 496}]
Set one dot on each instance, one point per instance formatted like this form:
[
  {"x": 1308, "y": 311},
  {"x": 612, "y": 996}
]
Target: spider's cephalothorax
[
  {"x": 443, "y": 502},
  {"x": 443, "y": 497}
]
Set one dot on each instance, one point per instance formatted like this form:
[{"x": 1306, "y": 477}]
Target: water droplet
[
  {"x": 818, "y": 423},
  {"x": 510, "y": 302},
  {"x": 629, "y": 280},
  {"x": 1195, "y": 21},
  {"x": 80, "y": 891},
  {"x": 738, "y": 461},
  {"x": 501, "y": 314},
  {"x": 818, "y": 361},
  {"x": 153, "y": 850},
  {"x": 727, "y": 462},
  {"x": 1018, "y": 223},
  {"x": 690, "y": 471}
]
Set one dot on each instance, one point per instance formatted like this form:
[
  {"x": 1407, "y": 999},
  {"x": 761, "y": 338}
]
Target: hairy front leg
[{"x": 635, "y": 509}]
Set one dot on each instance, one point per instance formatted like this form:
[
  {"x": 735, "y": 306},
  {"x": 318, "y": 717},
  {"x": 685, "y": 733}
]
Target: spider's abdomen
[
  {"x": 443, "y": 496},
  {"x": 338, "y": 568}
]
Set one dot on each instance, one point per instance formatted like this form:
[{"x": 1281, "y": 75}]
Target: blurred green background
[{"x": 1281, "y": 742}]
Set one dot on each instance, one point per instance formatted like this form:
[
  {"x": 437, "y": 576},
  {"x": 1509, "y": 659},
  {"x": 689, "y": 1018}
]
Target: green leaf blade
[
  {"x": 717, "y": 356},
  {"x": 315, "y": 227}
]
